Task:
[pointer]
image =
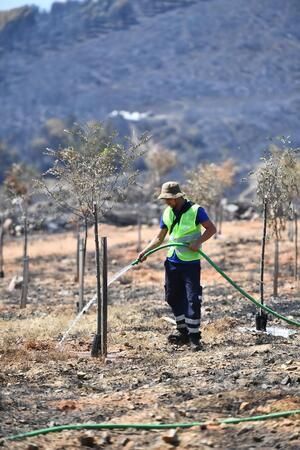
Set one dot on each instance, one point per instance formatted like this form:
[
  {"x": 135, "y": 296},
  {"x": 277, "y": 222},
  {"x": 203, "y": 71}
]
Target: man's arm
[
  {"x": 156, "y": 242},
  {"x": 210, "y": 230}
]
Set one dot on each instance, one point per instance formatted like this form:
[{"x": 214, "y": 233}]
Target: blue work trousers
[{"x": 184, "y": 294}]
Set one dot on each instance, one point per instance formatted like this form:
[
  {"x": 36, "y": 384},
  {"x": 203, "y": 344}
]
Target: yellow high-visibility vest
[{"x": 185, "y": 231}]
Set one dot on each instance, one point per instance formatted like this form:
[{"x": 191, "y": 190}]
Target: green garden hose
[
  {"x": 244, "y": 293},
  {"x": 150, "y": 426}
]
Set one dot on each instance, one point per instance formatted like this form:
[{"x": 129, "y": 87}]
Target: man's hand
[
  {"x": 141, "y": 257},
  {"x": 194, "y": 246},
  {"x": 156, "y": 241}
]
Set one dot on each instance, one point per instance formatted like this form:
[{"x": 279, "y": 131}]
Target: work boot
[
  {"x": 181, "y": 337},
  {"x": 195, "y": 343}
]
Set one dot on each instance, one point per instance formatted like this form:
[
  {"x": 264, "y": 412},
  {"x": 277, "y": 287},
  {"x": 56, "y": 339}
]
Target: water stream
[{"x": 89, "y": 304}]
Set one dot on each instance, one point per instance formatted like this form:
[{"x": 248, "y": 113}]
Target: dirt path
[{"x": 240, "y": 373}]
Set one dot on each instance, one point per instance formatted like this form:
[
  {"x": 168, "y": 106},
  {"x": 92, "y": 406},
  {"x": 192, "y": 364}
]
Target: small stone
[
  {"x": 132, "y": 407},
  {"x": 245, "y": 429},
  {"x": 207, "y": 442},
  {"x": 106, "y": 439},
  {"x": 244, "y": 406},
  {"x": 171, "y": 437},
  {"x": 294, "y": 436},
  {"x": 32, "y": 447},
  {"x": 129, "y": 446},
  {"x": 52, "y": 423},
  {"x": 165, "y": 376},
  {"x": 287, "y": 380},
  {"x": 81, "y": 375},
  {"x": 127, "y": 443}
]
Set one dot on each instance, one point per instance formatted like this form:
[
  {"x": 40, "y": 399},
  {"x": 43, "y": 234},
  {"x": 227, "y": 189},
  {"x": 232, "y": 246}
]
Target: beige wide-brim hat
[{"x": 171, "y": 189}]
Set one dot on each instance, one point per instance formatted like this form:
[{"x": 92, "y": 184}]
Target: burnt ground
[{"x": 240, "y": 373}]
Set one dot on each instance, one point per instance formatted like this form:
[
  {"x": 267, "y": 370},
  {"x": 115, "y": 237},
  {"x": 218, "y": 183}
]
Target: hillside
[{"x": 212, "y": 79}]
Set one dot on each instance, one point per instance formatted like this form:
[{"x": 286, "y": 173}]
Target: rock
[
  {"x": 244, "y": 405},
  {"x": 171, "y": 437},
  {"x": 32, "y": 447},
  {"x": 294, "y": 436},
  {"x": 165, "y": 376},
  {"x": 106, "y": 439},
  {"x": 127, "y": 444},
  {"x": 287, "y": 380},
  {"x": 81, "y": 375}
]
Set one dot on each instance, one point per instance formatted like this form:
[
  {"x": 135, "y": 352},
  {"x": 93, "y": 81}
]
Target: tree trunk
[
  {"x": 81, "y": 275},
  {"x": 85, "y": 243},
  {"x": 261, "y": 317},
  {"x": 276, "y": 267},
  {"x": 25, "y": 266},
  {"x": 290, "y": 228},
  {"x": 97, "y": 340},
  {"x": 296, "y": 246},
  {"x": 220, "y": 218},
  {"x": 1, "y": 252},
  {"x": 262, "y": 259},
  {"x": 139, "y": 230},
  {"x": 76, "y": 278},
  {"x": 104, "y": 297},
  {"x": 216, "y": 220}
]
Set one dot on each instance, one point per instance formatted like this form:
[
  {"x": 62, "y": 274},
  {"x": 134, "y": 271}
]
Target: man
[{"x": 183, "y": 220}]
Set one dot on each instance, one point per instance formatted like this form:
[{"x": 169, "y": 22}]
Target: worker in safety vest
[{"x": 183, "y": 220}]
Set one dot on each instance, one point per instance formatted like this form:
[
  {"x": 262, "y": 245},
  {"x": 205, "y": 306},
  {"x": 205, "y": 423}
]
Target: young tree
[
  {"x": 18, "y": 183},
  {"x": 91, "y": 173},
  {"x": 159, "y": 161},
  {"x": 207, "y": 185},
  {"x": 294, "y": 221},
  {"x": 277, "y": 186},
  {"x": 3, "y": 216}
]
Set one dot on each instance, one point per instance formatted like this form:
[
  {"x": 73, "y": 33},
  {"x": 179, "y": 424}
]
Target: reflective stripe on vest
[{"x": 186, "y": 232}]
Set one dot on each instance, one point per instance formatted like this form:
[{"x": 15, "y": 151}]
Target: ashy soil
[{"x": 240, "y": 372}]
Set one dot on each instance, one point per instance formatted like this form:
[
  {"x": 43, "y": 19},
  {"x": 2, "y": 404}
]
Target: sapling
[
  {"x": 1, "y": 250},
  {"x": 207, "y": 185},
  {"x": 277, "y": 186},
  {"x": 95, "y": 170},
  {"x": 18, "y": 183}
]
